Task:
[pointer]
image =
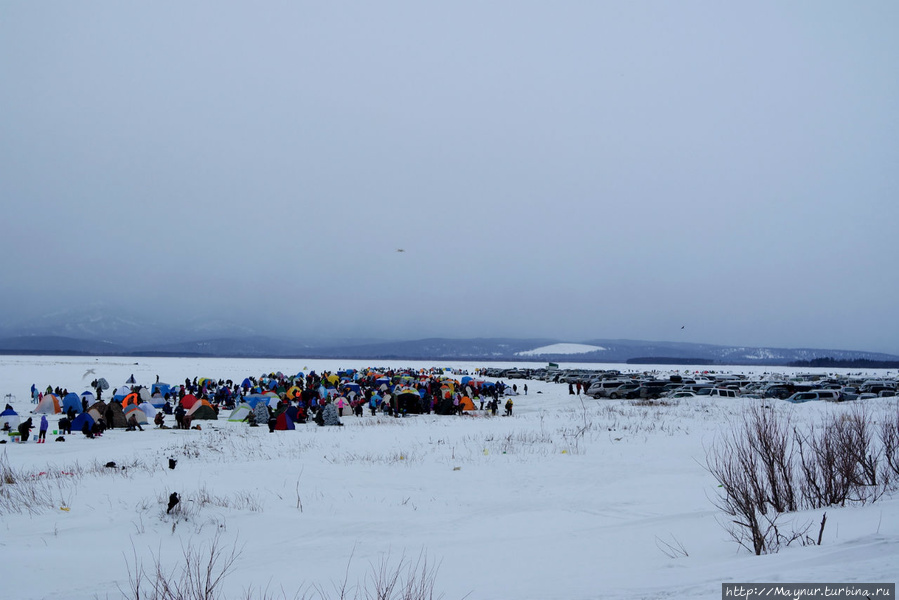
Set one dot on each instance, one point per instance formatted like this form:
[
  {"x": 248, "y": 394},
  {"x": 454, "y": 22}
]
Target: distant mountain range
[{"x": 94, "y": 333}]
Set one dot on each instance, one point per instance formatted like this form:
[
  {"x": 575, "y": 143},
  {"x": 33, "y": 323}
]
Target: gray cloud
[{"x": 576, "y": 171}]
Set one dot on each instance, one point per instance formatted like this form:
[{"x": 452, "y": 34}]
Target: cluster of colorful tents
[
  {"x": 141, "y": 404},
  {"x": 410, "y": 388}
]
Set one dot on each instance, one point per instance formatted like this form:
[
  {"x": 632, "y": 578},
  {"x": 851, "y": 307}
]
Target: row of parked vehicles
[{"x": 799, "y": 388}]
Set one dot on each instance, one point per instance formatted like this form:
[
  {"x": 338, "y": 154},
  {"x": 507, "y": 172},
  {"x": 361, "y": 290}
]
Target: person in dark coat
[
  {"x": 133, "y": 424},
  {"x": 25, "y": 429},
  {"x": 65, "y": 425}
]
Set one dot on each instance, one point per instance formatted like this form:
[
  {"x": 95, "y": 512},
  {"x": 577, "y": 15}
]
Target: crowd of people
[{"x": 322, "y": 398}]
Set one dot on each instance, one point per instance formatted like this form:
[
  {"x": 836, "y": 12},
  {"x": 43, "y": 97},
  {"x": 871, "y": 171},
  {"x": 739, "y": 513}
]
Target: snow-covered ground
[{"x": 509, "y": 507}]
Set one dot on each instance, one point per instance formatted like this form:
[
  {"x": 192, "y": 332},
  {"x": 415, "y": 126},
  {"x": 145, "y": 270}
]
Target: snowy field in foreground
[{"x": 514, "y": 507}]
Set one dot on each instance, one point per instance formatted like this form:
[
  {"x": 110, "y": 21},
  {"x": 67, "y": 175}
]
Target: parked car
[
  {"x": 778, "y": 391},
  {"x": 601, "y": 389},
  {"x": 625, "y": 390},
  {"x": 875, "y": 386},
  {"x": 849, "y": 392},
  {"x": 652, "y": 389},
  {"x": 828, "y": 395}
]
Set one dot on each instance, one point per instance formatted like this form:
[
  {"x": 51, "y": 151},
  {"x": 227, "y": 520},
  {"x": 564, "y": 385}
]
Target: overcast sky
[{"x": 573, "y": 170}]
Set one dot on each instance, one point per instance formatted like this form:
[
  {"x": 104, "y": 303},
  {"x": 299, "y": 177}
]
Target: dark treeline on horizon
[{"x": 858, "y": 363}]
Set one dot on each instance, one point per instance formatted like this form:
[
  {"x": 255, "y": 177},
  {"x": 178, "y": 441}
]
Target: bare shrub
[
  {"x": 22, "y": 492},
  {"x": 193, "y": 502},
  {"x": 733, "y": 464},
  {"x": 840, "y": 461},
  {"x": 199, "y": 577},
  {"x": 889, "y": 439},
  {"x": 672, "y": 549},
  {"x": 204, "y": 568},
  {"x": 770, "y": 438},
  {"x": 407, "y": 580},
  {"x": 755, "y": 467},
  {"x": 861, "y": 446},
  {"x": 824, "y": 477}
]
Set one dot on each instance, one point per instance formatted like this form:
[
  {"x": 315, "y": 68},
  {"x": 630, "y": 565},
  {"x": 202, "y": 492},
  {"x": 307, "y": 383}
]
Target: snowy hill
[
  {"x": 561, "y": 349},
  {"x": 97, "y": 330}
]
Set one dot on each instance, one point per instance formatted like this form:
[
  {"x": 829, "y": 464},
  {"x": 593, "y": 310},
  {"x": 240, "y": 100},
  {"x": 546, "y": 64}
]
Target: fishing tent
[
  {"x": 160, "y": 388},
  {"x": 97, "y": 410},
  {"x": 284, "y": 422},
  {"x": 202, "y": 410},
  {"x": 49, "y": 405},
  {"x": 148, "y": 409},
  {"x": 117, "y": 414},
  {"x": 79, "y": 421},
  {"x": 73, "y": 401},
  {"x": 240, "y": 413},
  {"x": 409, "y": 401},
  {"x": 134, "y": 411},
  {"x": 10, "y": 417},
  {"x": 131, "y": 399}
]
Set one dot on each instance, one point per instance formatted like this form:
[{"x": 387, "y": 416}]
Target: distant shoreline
[{"x": 860, "y": 363}]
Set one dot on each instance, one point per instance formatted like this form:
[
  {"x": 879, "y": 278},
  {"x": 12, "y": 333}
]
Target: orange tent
[
  {"x": 466, "y": 403},
  {"x": 49, "y": 405},
  {"x": 131, "y": 398}
]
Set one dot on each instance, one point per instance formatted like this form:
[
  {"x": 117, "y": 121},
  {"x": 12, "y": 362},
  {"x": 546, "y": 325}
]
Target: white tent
[
  {"x": 148, "y": 409},
  {"x": 240, "y": 412}
]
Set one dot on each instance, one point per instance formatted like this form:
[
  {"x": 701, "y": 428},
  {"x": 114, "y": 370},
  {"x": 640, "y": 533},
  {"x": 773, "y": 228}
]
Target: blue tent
[
  {"x": 10, "y": 416},
  {"x": 79, "y": 421},
  {"x": 293, "y": 412},
  {"x": 73, "y": 401},
  {"x": 254, "y": 399},
  {"x": 162, "y": 388}
]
